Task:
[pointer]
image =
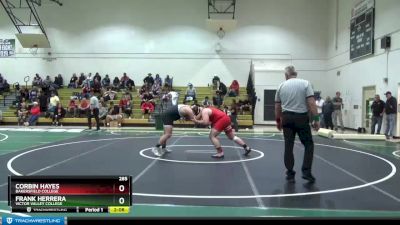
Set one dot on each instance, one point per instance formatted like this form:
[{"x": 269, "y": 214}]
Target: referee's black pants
[
  {"x": 96, "y": 117},
  {"x": 297, "y": 123}
]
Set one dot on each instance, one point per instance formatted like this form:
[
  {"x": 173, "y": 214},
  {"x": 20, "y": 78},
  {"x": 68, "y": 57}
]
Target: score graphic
[{"x": 77, "y": 194}]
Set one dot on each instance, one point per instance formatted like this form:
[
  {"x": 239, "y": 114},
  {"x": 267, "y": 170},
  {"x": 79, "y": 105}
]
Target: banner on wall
[{"x": 7, "y": 47}]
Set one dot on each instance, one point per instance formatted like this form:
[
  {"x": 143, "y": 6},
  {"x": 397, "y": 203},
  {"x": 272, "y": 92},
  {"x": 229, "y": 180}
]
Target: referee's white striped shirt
[{"x": 293, "y": 94}]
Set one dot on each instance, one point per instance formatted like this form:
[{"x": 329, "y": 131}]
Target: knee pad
[{"x": 236, "y": 138}]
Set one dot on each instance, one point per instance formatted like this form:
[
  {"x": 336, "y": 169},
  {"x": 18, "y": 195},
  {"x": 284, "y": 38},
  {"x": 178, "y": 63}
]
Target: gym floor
[{"x": 354, "y": 178}]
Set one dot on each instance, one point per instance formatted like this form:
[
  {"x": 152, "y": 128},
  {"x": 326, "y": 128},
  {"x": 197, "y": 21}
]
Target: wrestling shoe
[
  {"x": 247, "y": 151},
  {"x": 218, "y": 155}
]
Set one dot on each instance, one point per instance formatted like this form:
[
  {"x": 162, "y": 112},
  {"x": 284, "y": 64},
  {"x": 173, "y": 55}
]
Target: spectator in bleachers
[
  {"x": 124, "y": 81},
  {"x": 126, "y": 105},
  {"x": 149, "y": 80},
  {"x": 23, "y": 93},
  {"x": 244, "y": 105},
  {"x": 96, "y": 86},
  {"x": 43, "y": 101},
  {"x": 59, "y": 81},
  {"x": 116, "y": 83},
  {"x": 190, "y": 93},
  {"x": 143, "y": 90},
  {"x": 37, "y": 81},
  {"x": 33, "y": 94},
  {"x": 156, "y": 89},
  {"x": 158, "y": 80},
  {"x": 168, "y": 81},
  {"x": 206, "y": 103},
  {"x": 114, "y": 113},
  {"x": 234, "y": 89},
  {"x": 22, "y": 114},
  {"x": 54, "y": 101},
  {"x": 106, "y": 81},
  {"x": 103, "y": 111},
  {"x": 88, "y": 83},
  {"x": 47, "y": 82},
  {"x": 147, "y": 97},
  {"x": 72, "y": 106},
  {"x": 131, "y": 85},
  {"x": 109, "y": 95},
  {"x": 34, "y": 115},
  {"x": 81, "y": 79},
  {"x": 147, "y": 108},
  {"x": 215, "y": 82},
  {"x": 6, "y": 86},
  {"x": 1, "y": 78},
  {"x": 97, "y": 77},
  {"x": 73, "y": 82},
  {"x": 220, "y": 95},
  {"x": 59, "y": 114},
  {"x": 128, "y": 95},
  {"x": 83, "y": 107}
]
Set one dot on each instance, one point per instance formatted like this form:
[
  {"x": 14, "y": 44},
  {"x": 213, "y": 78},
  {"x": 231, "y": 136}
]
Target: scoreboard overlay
[{"x": 74, "y": 194}]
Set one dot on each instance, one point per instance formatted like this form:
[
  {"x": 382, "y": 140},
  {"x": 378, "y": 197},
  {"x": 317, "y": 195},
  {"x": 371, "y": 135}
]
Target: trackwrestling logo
[{"x": 34, "y": 220}]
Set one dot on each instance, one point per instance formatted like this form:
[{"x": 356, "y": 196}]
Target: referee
[
  {"x": 93, "y": 111},
  {"x": 294, "y": 99}
]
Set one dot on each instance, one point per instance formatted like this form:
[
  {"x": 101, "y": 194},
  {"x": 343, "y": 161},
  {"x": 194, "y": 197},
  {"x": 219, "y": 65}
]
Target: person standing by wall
[
  {"x": 327, "y": 110},
  {"x": 391, "y": 111},
  {"x": 378, "y": 108},
  {"x": 294, "y": 99},
  {"x": 320, "y": 102},
  {"x": 337, "y": 114}
]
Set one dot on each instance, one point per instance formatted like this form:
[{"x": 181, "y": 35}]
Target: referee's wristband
[{"x": 316, "y": 118}]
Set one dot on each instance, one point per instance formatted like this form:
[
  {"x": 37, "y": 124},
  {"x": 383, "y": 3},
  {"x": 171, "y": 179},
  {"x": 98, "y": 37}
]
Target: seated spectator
[
  {"x": 35, "y": 113},
  {"x": 215, "y": 82},
  {"x": 22, "y": 114},
  {"x": 149, "y": 80},
  {"x": 116, "y": 83},
  {"x": 147, "y": 108},
  {"x": 33, "y": 94},
  {"x": 4, "y": 87},
  {"x": 81, "y": 79},
  {"x": 168, "y": 81},
  {"x": 234, "y": 89},
  {"x": 109, "y": 95},
  {"x": 1, "y": 78},
  {"x": 126, "y": 105},
  {"x": 97, "y": 77},
  {"x": 106, "y": 81},
  {"x": 83, "y": 107},
  {"x": 244, "y": 106},
  {"x": 37, "y": 81},
  {"x": 88, "y": 83},
  {"x": 143, "y": 90},
  {"x": 156, "y": 90},
  {"x": 158, "y": 80},
  {"x": 47, "y": 82},
  {"x": 59, "y": 81},
  {"x": 147, "y": 97},
  {"x": 206, "y": 103},
  {"x": 54, "y": 101},
  {"x": 130, "y": 85},
  {"x": 190, "y": 94},
  {"x": 128, "y": 95},
  {"x": 23, "y": 93},
  {"x": 218, "y": 100},
  {"x": 124, "y": 81},
  {"x": 164, "y": 94},
  {"x": 103, "y": 112},
  {"x": 72, "y": 106},
  {"x": 96, "y": 86},
  {"x": 73, "y": 82},
  {"x": 114, "y": 113},
  {"x": 59, "y": 113}
]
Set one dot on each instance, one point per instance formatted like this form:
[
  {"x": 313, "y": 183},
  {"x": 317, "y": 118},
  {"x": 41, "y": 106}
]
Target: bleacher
[{"x": 9, "y": 116}]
